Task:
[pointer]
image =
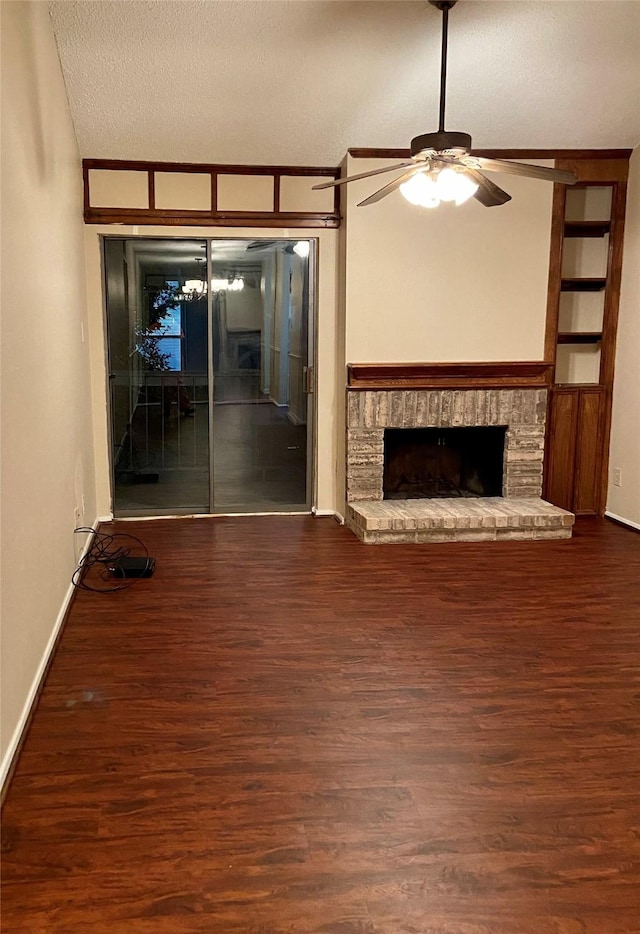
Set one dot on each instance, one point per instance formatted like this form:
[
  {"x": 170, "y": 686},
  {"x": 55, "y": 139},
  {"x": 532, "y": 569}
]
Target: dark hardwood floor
[{"x": 287, "y": 731}]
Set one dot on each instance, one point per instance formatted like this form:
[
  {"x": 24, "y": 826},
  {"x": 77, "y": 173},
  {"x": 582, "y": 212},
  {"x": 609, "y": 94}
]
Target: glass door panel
[
  {"x": 158, "y": 375},
  {"x": 260, "y": 335},
  {"x": 209, "y": 374}
]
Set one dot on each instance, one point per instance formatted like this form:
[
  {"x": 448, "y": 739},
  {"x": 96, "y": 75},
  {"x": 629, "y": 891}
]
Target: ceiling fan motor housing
[{"x": 443, "y": 141}]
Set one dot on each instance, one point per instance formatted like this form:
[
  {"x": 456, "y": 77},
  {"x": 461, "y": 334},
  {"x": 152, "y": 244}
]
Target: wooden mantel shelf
[{"x": 448, "y": 375}]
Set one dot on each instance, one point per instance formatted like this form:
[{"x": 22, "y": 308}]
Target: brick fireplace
[{"x": 452, "y": 510}]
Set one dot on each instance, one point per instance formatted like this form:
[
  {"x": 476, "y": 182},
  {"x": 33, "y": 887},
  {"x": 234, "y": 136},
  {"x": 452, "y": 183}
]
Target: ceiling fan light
[
  {"x": 455, "y": 186},
  {"x": 421, "y": 190},
  {"x": 466, "y": 188},
  {"x": 301, "y": 248},
  {"x": 447, "y": 184}
]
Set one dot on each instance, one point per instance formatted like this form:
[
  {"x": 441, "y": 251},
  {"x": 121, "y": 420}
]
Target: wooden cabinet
[
  {"x": 582, "y": 313},
  {"x": 574, "y": 458}
]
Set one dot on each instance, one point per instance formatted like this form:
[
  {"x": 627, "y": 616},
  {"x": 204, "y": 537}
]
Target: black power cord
[{"x": 104, "y": 550}]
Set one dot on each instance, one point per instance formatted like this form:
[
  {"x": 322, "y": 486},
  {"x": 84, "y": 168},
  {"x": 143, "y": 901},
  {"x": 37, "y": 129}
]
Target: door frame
[{"x": 312, "y": 401}]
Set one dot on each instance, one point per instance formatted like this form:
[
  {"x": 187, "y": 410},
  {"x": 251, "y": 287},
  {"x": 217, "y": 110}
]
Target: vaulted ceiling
[{"x": 278, "y": 82}]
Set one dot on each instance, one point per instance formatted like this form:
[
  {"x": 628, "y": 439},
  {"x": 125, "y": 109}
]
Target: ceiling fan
[
  {"x": 442, "y": 166},
  {"x": 269, "y": 245},
  {"x": 300, "y": 247}
]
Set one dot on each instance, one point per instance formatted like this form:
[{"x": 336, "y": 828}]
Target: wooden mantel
[{"x": 448, "y": 375}]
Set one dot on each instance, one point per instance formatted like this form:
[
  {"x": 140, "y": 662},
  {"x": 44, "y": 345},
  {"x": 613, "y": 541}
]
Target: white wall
[
  {"x": 450, "y": 284},
  {"x": 624, "y": 502},
  {"x": 47, "y": 459},
  {"x": 244, "y": 309},
  {"x": 329, "y": 398}
]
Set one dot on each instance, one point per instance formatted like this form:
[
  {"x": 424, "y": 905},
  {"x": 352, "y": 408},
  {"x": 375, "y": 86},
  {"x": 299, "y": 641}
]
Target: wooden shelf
[
  {"x": 579, "y": 337},
  {"x": 582, "y": 285},
  {"x": 586, "y": 228},
  {"x": 572, "y": 386}
]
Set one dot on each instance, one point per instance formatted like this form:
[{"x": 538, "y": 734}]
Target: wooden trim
[
  {"x": 207, "y": 167},
  {"x": 152, "y": 190},
  {"x": 605, "y": 171},
  {"x": 214, "y": 192},
  {"x": 142, "y": 216},
  {"x": 579, "y": 337},
  {"x": 613, "y": 278},
  {"x": 555, "y": 271},
  {"x": 213, "y": 217},
  {"x": 610, "y": 328},
  {"x": 359, "y": 153},
  {"x": 448, "y": 375},
  {"x": 276, "y": 194},
  {"x": 379, "y": 153},
  {"x": 85, "y": 187}
]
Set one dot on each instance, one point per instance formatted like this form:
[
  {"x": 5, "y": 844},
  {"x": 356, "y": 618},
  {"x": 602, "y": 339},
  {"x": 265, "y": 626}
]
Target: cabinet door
[
  {"x": 588, "y": 466},
  {"x": 561, "y": 447}
]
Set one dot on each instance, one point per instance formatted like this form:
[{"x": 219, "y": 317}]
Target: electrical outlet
[
  {"x": 617, "y": 476},
  {"x": 78, "y": 540}
]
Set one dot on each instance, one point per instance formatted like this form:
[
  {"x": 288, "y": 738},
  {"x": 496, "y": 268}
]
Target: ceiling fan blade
[
  {"x": 487, "y": 194},
  {"x": 353, "y": 178},
  {"x": 260, "y": 245},
  {"x": 523, "y": 168},
  {"x": 391, "y": 186}
]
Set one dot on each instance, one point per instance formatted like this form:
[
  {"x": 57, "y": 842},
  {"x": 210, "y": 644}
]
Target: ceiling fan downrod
[
  {"x": 443, "y": 140},
  {"x": 444, "y": 6}
]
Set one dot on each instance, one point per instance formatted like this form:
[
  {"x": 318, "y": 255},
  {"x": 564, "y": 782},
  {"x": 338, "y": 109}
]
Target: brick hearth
[{"x": 519, "y": 513}]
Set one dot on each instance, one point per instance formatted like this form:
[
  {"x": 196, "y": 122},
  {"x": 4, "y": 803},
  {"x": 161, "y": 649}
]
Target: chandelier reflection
[{"x": 194, "y": 290}]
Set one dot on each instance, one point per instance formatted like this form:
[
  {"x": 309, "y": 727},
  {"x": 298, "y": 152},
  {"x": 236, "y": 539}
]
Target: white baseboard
[
  {"x": 12, "y": 748},
  {"x": 632, "y": 525}
]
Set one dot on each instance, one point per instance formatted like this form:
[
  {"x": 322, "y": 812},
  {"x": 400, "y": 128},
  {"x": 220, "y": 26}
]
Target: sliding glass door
[{"x": 209, "y": 349}]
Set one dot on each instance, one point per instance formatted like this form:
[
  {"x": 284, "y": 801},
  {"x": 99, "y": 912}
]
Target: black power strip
[{"x": 132, "y": 567}]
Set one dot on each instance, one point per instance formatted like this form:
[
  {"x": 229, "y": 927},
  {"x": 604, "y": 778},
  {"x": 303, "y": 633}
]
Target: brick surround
[{"x": 521, "y": 411}]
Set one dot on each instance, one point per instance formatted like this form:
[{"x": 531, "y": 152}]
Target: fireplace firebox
[{"x": 422, "y": 463}]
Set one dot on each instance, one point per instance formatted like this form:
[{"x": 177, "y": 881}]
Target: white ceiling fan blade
[
  {"x": 520, "y": 168},
  {"x": 353, "y": 178},
  {"x": 392, "y": 186}
]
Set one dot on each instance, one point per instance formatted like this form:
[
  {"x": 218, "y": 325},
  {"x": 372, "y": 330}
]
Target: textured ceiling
[{"x": 300, "y": 82}]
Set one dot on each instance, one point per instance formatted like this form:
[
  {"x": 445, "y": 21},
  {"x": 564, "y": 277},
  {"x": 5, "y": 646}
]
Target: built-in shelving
[
  {"x": 587, "y": 228},
  {"x": 579, "y": 337},
  {"x": 583, "y": 284}
]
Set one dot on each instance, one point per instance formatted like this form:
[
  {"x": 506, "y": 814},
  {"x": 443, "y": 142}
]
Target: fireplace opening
[{"x": 443, "y": 462}]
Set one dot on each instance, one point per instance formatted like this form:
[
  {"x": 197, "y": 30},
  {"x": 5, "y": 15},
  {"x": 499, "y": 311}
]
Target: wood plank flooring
[{"x": 287, "y": 731}]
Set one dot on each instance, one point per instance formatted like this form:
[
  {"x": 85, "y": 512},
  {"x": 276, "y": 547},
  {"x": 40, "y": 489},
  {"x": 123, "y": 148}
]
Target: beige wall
[
  {"x": 624, "y": 501},
  {"x": 47, "y": 459},
  {"x": 328, "y": 398},
  {"x": 451, "y": 284}
]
